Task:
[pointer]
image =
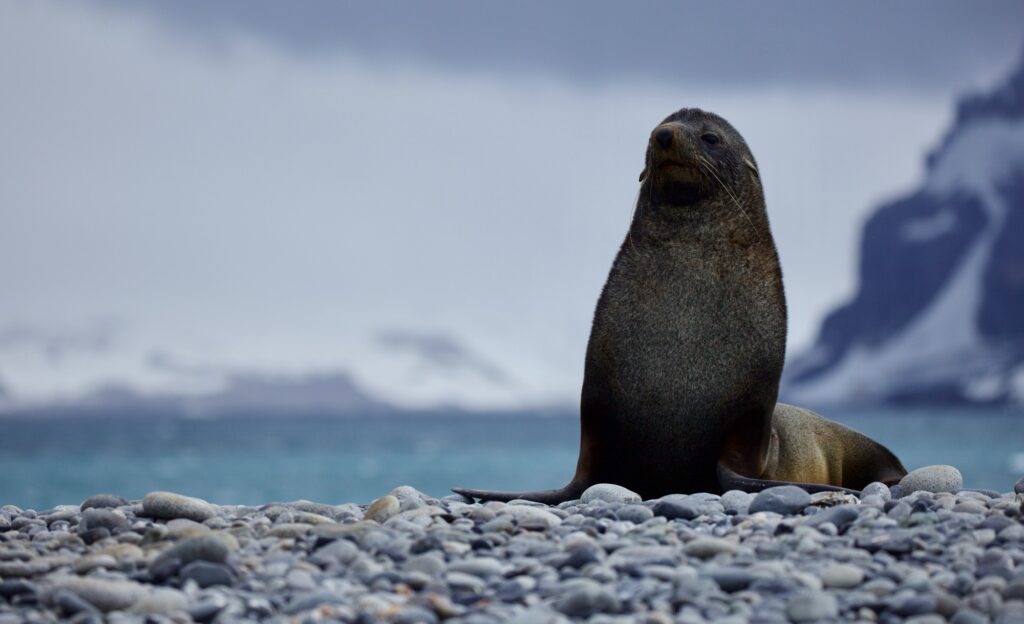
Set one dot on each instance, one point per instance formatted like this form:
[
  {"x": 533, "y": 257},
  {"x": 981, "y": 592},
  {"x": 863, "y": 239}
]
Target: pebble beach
[{"x": 922, "y": 551}]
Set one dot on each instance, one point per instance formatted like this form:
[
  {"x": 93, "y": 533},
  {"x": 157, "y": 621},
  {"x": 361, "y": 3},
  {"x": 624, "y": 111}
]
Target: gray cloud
[
  {"x": 443, "y": 352},
  {"x": 907, "y": 45}
]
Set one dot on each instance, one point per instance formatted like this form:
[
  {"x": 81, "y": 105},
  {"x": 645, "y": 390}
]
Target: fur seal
[{"x": 688, "y": 342}]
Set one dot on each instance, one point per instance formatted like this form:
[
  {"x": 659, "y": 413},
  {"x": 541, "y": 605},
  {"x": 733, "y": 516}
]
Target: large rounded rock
[
  {"x": 610, "y": 493},
  {"x": 812, "y": 606},
  {"x": 783, "y": 499},
  {"x": 936, "y": 479},
  {"x": 168, "y": 506},
  {"x": 1018, "y": 488}
]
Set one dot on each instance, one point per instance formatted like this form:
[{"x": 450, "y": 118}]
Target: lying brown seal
[{"x": 688, "y": 342}]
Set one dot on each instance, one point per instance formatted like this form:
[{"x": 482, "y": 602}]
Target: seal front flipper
[
  {"x": 548, "y": 497},
  {"x": 729, "y": 479}
]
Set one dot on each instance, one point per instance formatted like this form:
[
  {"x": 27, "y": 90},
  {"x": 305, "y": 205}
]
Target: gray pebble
[
  {"x": 729, "y": 578},
  {"x": 207, "y": 574},
  {"x": 842, "y": 576},
  {"x": 532, "y": 517},
  {"x": 736, "y": 502},
  {"x": 212, "y": 547},
  {"x": 102, "y": 519},
  {"x": 1018, "y": 487},
  {"x": 168, "y": 505},
  {"x": 583, "y": 598},
  {"x": 876, "y": 489},
  {"x": 812, "y": 606},
  {"x": 840, "y": 516},
  {"x": 383, "y": 509},
  {"x": 676, "y": 506},
  {"x": 100, "y": 501},
  {"x": 707, "y": 547},
  {"x": 610, "y": 493},
  {"x": 938, "y": 478},
  {"x": 783, "y": 499},
  {"x": 105, "y": 595},
  {"x": 637, "y": 514}
]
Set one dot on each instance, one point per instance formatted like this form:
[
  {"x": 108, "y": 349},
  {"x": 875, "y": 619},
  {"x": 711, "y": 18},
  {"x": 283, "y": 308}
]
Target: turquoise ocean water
[{"x": 44, "y": 462}]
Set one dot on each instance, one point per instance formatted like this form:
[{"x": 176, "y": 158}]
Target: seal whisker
[{"x": 707, "y": 167}]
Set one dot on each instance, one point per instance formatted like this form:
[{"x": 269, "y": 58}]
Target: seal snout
[
  {"x": 672, "y": 147},
  {"x": 663, "y": 136}
]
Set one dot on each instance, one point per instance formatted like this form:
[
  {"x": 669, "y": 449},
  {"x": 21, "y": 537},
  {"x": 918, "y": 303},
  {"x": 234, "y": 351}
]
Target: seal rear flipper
[
  {"x": 548, "y": 497},
  {"x": 729, "y": 479}
]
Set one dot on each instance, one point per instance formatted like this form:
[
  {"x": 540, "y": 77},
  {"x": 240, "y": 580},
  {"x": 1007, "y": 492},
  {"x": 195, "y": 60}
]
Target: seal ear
[
  {"x": 753, "y": 167},
  {"x": 643, "y": 174}
]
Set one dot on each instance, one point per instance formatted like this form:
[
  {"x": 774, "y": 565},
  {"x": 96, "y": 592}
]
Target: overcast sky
[{"x": 192, "y": 187}]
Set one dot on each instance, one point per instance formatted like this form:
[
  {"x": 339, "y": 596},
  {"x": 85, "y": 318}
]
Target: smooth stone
[
  {"x": 160, "y": 601},
  {"x": 736, "y": 502},
  {"x": 610, "y": 493},
  {"x": 484, "y": 567},
  {"x": 783, "y": 499},
  {"x": 707, "y": 547},
  {"x": 938, "y": 478},
  {"x": 676, "y": 506},
  {"x": 729, "y": 578},
  {"x": 105, "y": 595},
  {"x": 532, "y": 517},
  {"x": 876, "y": 488},
  {"x": 916, "y": 605},
  {"x": 213, "y": 547},
  {"x": 11, "y": 588},
  {"x": 414, "y": 614},
  {"x": 168, "y": 505},
  {"x": 383, "y": 509},
  {"x": 312, "y": 600},
  {"x": 467, "y": 582},
  {"x": 841, "y": 516},
  {"x": 100, "y": 501},
  {"x": 101, "y": 519},
  {"x": 206, "y": 610},
  {"x": 966, "y": 615},
  {"x": 842, "y": 576},
  {"x": 289, "y": 530},
  {"x": 812, "y": 606},
  {"x": 341, "y": 551},
  {"x": 431, "y": 564},
  {"x": 68, "y": 603},
  {"x": 583, "y": 598},
  {"x": 1018, "y": 487},
  {"x": 90, "y": 562},
  {"x": 637, "y": 514},
  {"x": 207, "y": 574}
]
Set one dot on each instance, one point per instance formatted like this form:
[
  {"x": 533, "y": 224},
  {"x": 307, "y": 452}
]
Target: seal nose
[{"x": 664, "y": 137}]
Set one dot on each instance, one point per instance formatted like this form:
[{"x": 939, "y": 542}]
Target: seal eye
[{"x": 710, "y": 139}]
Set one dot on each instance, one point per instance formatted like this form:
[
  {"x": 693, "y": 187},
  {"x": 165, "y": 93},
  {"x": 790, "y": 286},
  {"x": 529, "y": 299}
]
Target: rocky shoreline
[{"x": 889, "y": 555}]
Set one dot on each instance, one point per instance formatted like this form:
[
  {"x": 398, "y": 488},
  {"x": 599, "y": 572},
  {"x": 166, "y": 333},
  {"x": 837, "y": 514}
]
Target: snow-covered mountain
[{"x": 938, "y": 315}]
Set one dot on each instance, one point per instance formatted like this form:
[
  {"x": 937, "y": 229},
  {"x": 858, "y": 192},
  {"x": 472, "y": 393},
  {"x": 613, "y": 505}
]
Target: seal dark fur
[{"x": 689, "y": 338}]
